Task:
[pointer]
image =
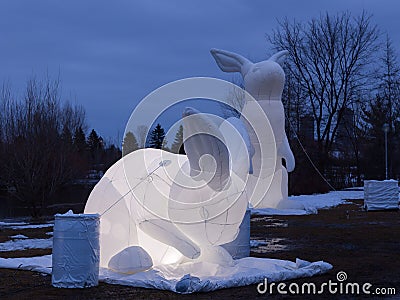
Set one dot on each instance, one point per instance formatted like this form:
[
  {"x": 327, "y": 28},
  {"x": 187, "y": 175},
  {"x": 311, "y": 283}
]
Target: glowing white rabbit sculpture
[
  {"x": 159, "y": 208},
  {"x": 175, "y": 207}
]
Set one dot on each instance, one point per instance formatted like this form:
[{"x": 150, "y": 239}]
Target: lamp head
[{"x": 385, "y": 128}]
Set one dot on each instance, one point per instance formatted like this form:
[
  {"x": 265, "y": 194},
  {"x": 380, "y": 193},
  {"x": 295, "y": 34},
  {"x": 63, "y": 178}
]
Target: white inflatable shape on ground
[{"x": 131, "y": 260}]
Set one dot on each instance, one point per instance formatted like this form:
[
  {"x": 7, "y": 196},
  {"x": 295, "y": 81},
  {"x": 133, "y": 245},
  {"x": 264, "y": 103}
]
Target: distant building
[
  {"x": 345, "y": 133},
  {"x": 306, "y": 130}
]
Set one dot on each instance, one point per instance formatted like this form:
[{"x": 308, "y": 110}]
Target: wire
[
  {"x": 161, "y": 164},
  {"x": 305, "y": 152}
]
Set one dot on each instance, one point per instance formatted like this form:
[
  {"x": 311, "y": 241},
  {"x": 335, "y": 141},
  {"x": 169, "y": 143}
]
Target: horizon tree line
[{"x": 156, "y": 138}]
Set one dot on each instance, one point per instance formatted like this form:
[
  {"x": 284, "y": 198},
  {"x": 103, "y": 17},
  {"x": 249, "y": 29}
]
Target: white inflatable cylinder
[
  {"x": 76, "y": 250},
  {"x": 240, "y": 247}
]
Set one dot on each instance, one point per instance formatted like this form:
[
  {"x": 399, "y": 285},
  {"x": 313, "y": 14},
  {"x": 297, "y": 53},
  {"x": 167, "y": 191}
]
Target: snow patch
[
  {"x": 23, "y": 244},
  {"x": 12, "y": 223},
  {"x": 19, "y": 236},
  {"x": 24, "y": 225},
  {"x": 32, "y": 226},
  {"x": 256, "y": 243},
  {"x": 271, "y": 245},
  {"x": 312, "y": 203}
]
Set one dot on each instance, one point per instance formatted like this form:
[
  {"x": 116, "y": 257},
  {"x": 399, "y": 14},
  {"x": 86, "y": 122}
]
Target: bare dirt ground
[{"x": 365, "y": 245}]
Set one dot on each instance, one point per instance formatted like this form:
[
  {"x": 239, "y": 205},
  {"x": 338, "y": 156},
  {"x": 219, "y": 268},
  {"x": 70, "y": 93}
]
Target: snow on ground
[
  {"x": 246, "y": 271},
  {"x": 256, "y": 243},
  {"x": 23, "y": 225},
  {"x": 327, "y": 200},
  {"x": 31, "y": 226},
  {"x": 12, "y": 223},
  {"x": 270, "y": 245},
  {"x": 23, "y": 244},
  {"x": 280, "y": 212},
  {"x": 19, "y": 236},
  {"x": 312, "y": 203}
]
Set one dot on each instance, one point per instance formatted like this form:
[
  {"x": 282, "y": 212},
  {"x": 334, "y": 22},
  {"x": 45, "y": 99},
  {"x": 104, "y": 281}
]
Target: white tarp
[
  {"x": 76, "y": 250},
  {"x": 183, "y": 278},
  {"x": 380, "y": 195}
]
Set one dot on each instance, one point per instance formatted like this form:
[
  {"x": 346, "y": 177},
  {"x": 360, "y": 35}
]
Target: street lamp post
[{"x": 385, "y": 129}]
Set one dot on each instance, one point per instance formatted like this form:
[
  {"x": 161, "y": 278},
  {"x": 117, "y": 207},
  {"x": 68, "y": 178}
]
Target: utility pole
[{"x": 385, "y": 129}]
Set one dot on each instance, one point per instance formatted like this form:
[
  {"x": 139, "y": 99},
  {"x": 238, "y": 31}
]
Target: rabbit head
[{"x": 263, "y": 80}]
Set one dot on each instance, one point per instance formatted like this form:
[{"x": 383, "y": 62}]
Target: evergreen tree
[
  {"x": 177, "y": 146},
  {"x": 129, "y": 144},
  {"x": 79, "y": 140},
  {"x": 389, "y": 82},
  {"x": 157, "y": 138},
  {"x": 93, "y": 141},
  {"x": 96, "y": 147},
  {"x": 81, "y": 155}
]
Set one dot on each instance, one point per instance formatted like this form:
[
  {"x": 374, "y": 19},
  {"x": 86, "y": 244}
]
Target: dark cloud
[{"x": 111, "y": 54}]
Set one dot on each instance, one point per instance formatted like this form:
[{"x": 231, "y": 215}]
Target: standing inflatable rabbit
[{"x": 264, "y": 81}]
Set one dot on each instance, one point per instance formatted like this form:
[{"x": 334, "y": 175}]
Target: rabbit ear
[
  {"x": 231, "y": 62},
  {"x": 279, "y": 57},
  {"x": 202, "y": 136}
]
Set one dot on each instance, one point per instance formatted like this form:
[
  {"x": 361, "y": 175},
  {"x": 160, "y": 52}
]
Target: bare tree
[
  {"x": 388, "y": 77},
  {"x": 384, "y": 107},
  {"x": 5, "y": 98},
  {"x": 295, "y": 106},
  {"x": 329, "y": 58},
  {"x": 39, "y": 156}
]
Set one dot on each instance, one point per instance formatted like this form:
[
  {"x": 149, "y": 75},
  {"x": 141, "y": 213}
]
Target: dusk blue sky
[{"x": 111, "y": 54}]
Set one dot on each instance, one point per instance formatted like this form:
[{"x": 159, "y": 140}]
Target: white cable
[
  {"x": 161, "y": 164},
  {"x": 309, "y": 158}
]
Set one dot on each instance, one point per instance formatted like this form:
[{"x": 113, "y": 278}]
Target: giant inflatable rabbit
[
  {"x": 264, "y": 81},
  {"x": 159, "y": 208}
]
